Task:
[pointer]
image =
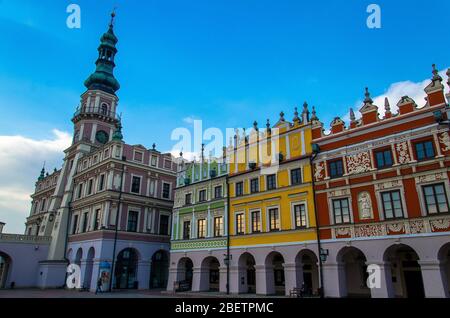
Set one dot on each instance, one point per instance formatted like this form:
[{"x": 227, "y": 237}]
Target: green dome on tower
[{"x": 103, "y": 77}]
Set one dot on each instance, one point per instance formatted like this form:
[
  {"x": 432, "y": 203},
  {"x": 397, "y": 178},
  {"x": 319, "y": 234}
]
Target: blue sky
[{"x": 227, "y": 62}]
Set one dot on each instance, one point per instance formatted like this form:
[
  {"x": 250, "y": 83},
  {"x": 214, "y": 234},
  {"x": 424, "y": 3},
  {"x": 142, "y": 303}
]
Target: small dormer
[
  {"x": 406, "y": 105},
  {"x": 369, "y": 111},
  {"x": 337, "y": 125},
  {"x": 435, "y": 90}
]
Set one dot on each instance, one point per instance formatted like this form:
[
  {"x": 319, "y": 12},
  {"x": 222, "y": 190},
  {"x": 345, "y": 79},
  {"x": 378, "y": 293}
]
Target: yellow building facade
[{"x": 273, "y": 235}]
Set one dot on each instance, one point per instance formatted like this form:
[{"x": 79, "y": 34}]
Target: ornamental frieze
[
  {"x": 388, "y": 185},
  {"x": 440, "y": 225},
  {"x": 338, "y": 193},
  {"x": 395, "y": 228},
  {"x": 370, "y": 230},
  {"x": 358, "y": 163},
  {"x": 431, "y": 178},
  {"x": 416, "y": 227}
]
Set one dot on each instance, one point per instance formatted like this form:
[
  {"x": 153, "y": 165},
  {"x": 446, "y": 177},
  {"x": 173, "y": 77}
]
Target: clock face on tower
[{"x": 102, "y": 137}]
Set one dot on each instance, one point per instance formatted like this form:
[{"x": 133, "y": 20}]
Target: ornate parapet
[
  {"x": 17, "y": 238},
  {"x": 198, "y": 244},
  {"x": 434, "y": 224}
]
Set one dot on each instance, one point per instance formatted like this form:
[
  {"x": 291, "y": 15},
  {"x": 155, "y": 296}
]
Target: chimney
[{"x": 1, "y": 227}]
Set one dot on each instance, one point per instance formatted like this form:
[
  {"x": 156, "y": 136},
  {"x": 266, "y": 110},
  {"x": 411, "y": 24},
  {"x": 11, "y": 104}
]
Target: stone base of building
[{"x": 52, "y": 274}]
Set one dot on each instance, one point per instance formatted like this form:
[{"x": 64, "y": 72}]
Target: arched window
[{"x": 104, "y": 109}]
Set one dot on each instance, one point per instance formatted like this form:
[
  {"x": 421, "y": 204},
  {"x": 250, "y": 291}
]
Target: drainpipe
[
  {"x": 116, "y": 231},
  {"x": 228, "y": 235},
  {"x": 319, "y": 247}
]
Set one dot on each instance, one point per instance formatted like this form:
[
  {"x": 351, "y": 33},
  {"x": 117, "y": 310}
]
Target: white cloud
[{"x": 21, "y": 159}]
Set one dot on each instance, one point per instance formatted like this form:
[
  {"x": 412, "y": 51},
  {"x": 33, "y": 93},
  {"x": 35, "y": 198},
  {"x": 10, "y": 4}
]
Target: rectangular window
[
  {"x": 336, "y": 168},
  {"x": 341, "y": 211},
  {"x": 271, "y": 182},
  {"x": 186, "y": 230},
  {"x": 75, "y": 223},
  {"x": 188, "y": 199},
  {"x": 240, "y": 224},
  {"x": 80, "y": 191},
  {"x": 136, "y": 185},
  {"x": 424, "y": 150},
  {"x": 383, "y": 158},
  {"x": 201, "y": 228},
  {"x": 218, "y": 192},
  {"x": 154, "y": 161},
  {"x": 97, "y": 220},
  {"x": 202, "y": 196},
  {"x": 254, "y": 185},
  {"x": 101, "y": 183},
  {"x": 166, "y": 191},
  {"x": 392, "y": 205},
  {"x": 300, "y": 215},
  {"x": 256, "y": 222},
  {"x": 436, "y": 198},
  {"x": 274, "y": 220},
  {"x": 85, "y": 222},
  {"x": 138, "y": 156},
  {"x": 43, "y": 203},
  {"x": 164, "y": 225},
  {"x": 132, "y": 221},
  {"x": 90, "y": 184},
  {"x": 218, "y": 226},
  {"x": 239, "y": 189},
  {"x": 296, "y": 176}
]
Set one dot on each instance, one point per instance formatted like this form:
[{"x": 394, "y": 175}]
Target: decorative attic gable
[
  {"x": 282, "y": 123},
  {"x": 406, "y": 105},
  {"x": 435, "y": 90},
  {"x": 353, "y": 121},
  {"x": 317, "y": 126},
  {"x": 369, "y": 111},
  {"x": 337, "y": 125}
]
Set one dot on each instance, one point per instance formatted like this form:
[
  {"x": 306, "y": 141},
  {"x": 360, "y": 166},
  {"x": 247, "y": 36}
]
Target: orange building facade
[{"x": 382, "y": 198}]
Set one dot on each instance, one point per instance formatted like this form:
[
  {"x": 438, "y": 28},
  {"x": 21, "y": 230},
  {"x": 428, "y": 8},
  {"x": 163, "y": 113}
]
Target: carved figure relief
[{"x": 365, "y": 206}]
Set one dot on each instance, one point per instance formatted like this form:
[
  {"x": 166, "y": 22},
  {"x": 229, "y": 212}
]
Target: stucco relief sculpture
[
  {"x": 318, "y": 171},
  {"x": 444, "y": 139},
  {"x": 358, "y": 163},
  {"x": 364, "y": 206},
  {"x": 403, "y": 153}
]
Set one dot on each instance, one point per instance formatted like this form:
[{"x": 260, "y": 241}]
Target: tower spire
[{"x": 103, "y": 77}]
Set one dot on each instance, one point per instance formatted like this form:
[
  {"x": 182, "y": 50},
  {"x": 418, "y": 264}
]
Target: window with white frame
[
  {"x": 300, "y": 215},
  {"x": 201, "y": 228},
  {"x": 341, "y": 211},
  {"x": 274, "y": 219},
  {"x": 256, "y": 221},
  {"x": 240, "y": 224},
  {"x": 392, "y": 204},
  {"x": 435, "y": 198},
  {"x": 218, "y": 226},
  {"x": 166, "y": 190},
  {"x": 136, "y": 184}
]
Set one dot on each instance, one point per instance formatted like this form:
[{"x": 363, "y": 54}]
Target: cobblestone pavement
[{"x": 61, "y": 293}]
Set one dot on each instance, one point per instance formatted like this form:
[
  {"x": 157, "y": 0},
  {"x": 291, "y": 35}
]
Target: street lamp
[{"x": 324, "y": 254}]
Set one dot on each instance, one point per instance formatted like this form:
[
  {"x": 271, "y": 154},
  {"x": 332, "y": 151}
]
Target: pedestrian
[{"x": 99, "y": 286}]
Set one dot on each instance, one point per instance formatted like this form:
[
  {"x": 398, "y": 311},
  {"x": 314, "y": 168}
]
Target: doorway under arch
[
  {"x": 185, "y": 271},
  {"x": 444, "y": 262},
  {"x": 353, "y": 273},
  {"x": 406, "y": 273},
  {"x": 275, "y": 282},
  {"x": 5, "y": 266},
  {"x": 159, "y": 270},
  {"x": 125, "y": 272},
  {"x": 247, "y": 274},
  {"x": 210, "y": 274},
  {"x": 89, "y": 268},
  {"x": 308, "y": 275}
]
